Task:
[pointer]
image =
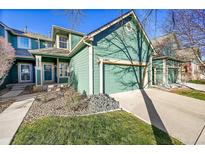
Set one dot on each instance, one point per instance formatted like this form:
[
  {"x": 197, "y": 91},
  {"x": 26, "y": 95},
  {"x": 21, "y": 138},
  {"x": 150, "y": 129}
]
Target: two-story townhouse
[
  {"x": 114, "y": 58},
  {"x": 22, "y": 70}
]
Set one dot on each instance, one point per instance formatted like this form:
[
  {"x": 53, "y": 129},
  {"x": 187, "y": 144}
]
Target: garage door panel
[{"x": 119, "y": 78}]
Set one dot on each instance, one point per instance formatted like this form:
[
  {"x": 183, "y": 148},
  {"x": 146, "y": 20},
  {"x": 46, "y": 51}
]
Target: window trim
[
  {"x": 67, "y": 38},
  {"x": 18, "y": 42},
  {"x": 63, "y": 76}
]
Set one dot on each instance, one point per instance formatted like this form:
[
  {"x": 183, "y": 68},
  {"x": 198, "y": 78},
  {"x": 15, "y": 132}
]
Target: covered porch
[{"x": 52, "y": 68}]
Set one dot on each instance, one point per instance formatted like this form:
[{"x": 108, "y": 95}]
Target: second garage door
[{"x": 120, "y": 78}]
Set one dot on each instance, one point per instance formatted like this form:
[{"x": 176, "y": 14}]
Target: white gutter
[{"x": 90, "y": 69}]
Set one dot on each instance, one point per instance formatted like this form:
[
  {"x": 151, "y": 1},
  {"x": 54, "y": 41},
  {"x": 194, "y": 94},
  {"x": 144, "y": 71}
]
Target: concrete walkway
[
  {"x": 181, "y": 117},
  {"x": 11, "y": 93},
  {"x": 200, "y": 87},
  {"x": 12, "y": 117}
]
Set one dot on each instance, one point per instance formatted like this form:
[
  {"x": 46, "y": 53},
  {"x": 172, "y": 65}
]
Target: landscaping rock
[
  {"x": 101, "y": 102},
  {"x": 66, "y": 101}
]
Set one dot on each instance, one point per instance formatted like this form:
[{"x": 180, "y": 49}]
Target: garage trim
[{"x": 103, "y": 61}]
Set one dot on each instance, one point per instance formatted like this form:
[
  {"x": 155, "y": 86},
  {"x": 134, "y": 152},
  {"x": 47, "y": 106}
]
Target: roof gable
[{"x": 131, "y": 13}]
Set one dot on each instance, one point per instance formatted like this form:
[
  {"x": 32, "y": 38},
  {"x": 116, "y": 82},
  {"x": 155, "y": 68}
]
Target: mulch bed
[
  {"x": 5, "y": 104},
  {"x": 55, "y": 103},
  {"x": 65, "y": 101}
]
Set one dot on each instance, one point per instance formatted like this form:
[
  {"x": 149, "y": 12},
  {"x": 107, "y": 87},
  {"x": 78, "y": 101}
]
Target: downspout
[{"x": 90, "y": 66}]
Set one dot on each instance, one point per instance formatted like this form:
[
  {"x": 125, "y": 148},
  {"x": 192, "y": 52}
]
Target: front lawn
[
  {"x": 190, "y": 93},
  {"x": 117, "y": 127},
  {"x": 197, "y": 81}
]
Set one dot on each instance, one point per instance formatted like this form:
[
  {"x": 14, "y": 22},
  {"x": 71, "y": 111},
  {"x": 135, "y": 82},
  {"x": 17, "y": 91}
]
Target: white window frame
[
  {"x": 67, "y": 40},
  {"x": 63, "y": 76},
  {"x": 19, "y": 72},
  {"x": 18, "y": 42},
  {"x": 46, "y": 45}
]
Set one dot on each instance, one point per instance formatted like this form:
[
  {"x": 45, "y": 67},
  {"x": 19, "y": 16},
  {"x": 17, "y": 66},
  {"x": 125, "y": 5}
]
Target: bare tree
[
  {"x": 189, "y": 26},
  {"x": 7, "y": 55},
  {"x": 74, "y": 17}
]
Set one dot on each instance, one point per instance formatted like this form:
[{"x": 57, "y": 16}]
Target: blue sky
[{"x": 40, "y": 21}]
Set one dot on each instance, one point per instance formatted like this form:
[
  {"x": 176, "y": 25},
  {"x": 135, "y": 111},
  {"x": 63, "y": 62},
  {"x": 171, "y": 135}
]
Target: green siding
[
  {"x": 79, "y": 71},
  {"x": 118, "y": 78},
  {"x": 2, "y": 31},
  {"x": 159, "y": 71},
  {"x": 13, "y": 40},
  {"x": 118, "y": 43},
  {"x": 38, "y": 75},
  {"x": 75, "y": 39},
  {"x": 172, "y": 75}
]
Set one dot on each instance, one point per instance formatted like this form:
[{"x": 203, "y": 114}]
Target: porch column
[
  {"x": 179, "y": 77},
  {"x": 164, "y": 71},
  {"x": 101, "y": 76},
  {"x": 146, "y": 82},
  {"x": 57, "y": 69},
  {"x": 38, "y": 71}
]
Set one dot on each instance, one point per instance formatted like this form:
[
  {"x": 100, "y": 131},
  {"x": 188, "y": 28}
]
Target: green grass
[
  {"x": 197, "y": 81},
  {"x": 117, "y": 127},
  {"x": 190, "y": 93}
]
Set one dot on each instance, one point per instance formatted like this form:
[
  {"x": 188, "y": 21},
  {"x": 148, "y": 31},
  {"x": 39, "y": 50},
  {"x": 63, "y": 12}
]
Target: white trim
[
  {"x": 19, "y": 73},
  {"x": 39, "y": 44},
  {"x": 164, "y": 71},
  {"x": 90, "y": 59},
  {"x": 58, "y": 41},
  {"x": 66, "y": 70},
  {"x": 18, "y": 43},
  {"x": 151, "y": 78},
  {"x": 121, "y": 62},
  {"x": 58, "y": 70},
  {"x": 6, "y": 35},
  {"x": 69, "y": 40},
  {"x": 39, "y": 67},
  {"x": 52, "y": 65},
  {"x": 101, "y": 76}
]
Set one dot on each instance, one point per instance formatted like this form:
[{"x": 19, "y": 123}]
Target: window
[
  {"x": 48, "y": 44},
  {"x": 24, "y": 43},
  {"x": 63, "y": 42},
  {"x": 63, "y": 69}
]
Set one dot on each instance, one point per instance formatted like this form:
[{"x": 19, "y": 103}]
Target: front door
[
  {"x": 48, "y": 72},
  {"x": 25, "y": 72}
]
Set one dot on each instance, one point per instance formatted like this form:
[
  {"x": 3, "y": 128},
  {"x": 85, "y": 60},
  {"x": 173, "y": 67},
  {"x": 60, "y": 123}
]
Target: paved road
[
  {"x": 181, "y": 117},
  {"x": 11, "y": 118}
]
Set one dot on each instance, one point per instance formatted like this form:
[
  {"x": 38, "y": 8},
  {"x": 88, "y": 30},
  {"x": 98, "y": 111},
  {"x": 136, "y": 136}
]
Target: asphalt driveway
[{"x": 181, "y": 117}]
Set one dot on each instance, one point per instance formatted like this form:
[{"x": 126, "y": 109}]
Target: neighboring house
[
  {"x": 173, "y": 63},
  {"x": 167, "y": 67},
  {"x": 114, "y": 58},
  {"x": 194, "y": 68}
]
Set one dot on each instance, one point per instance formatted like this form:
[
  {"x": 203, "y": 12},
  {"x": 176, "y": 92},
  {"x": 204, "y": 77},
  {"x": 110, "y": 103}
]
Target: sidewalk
[
  {"x": 200, "y": 87},
  {"x": 12, "y": 117}
]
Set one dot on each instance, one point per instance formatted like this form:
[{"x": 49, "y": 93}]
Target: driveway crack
[{"x": 199, "y": 135}]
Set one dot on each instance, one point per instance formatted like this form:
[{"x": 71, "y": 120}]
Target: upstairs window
[
  {"x": 63, "y": 42},
  {"x": 48, "y": 44},
  {"x": 24, "y": 43},
  {"x": 63, "y": 69}
]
